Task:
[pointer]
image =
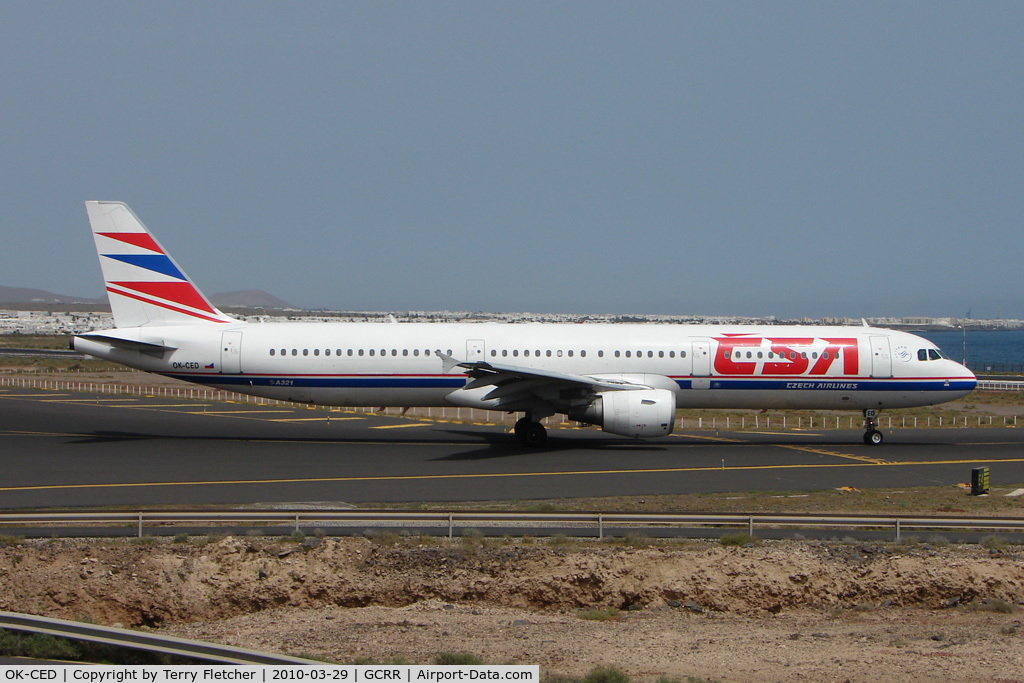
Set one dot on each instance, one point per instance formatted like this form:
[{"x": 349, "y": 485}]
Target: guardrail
[
  {"x": 138, "y": 640},
  {"x": 999, "y": 385},
  {"x": 594, "y": 524}
]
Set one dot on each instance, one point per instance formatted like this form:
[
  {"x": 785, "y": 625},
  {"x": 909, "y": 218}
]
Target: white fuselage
[{"x": 396, "y": 364}]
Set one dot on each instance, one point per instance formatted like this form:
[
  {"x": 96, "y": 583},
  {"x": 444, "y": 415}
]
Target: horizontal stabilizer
[{"x": 123, "y": 342}]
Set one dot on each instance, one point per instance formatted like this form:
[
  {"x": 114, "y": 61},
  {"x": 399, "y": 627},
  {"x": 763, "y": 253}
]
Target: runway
[{"x": 60, "y": 448}]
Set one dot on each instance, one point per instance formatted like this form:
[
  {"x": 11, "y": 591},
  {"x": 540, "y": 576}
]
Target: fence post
[
  {"x": 897, "y": 529},
  {"x": 451, "y": 526},
  {"x": 750, "y": 526},
  {"x": 140, "y": 525},
  {"x": 600, "y": 526}
]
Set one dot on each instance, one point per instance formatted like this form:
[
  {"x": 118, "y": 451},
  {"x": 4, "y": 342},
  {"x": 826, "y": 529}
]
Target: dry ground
[{"x": 786, "y": 611}]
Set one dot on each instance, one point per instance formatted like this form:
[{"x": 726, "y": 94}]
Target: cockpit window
[
  {"x": 933, "y": 354},
  {"x": 929, "y": 354},
  {"x": 922, "y": 354}
]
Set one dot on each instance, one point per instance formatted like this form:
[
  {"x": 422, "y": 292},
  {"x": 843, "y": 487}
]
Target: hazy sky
[{"x": 750, "y": 158}]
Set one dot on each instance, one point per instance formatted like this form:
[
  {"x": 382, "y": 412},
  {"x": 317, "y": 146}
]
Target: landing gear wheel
[
  {"x": 529, "y": 432},
  {"x": 872, "y": 436},
  {"x": 535, "y": 435}
]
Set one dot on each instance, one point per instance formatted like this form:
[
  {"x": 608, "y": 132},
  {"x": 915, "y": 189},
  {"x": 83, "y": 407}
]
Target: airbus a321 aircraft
[{"x": 627, "y": 378}]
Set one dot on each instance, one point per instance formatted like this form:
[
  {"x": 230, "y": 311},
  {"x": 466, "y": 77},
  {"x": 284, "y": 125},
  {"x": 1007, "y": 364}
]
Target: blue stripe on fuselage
[{"x": 837, "y": 384}]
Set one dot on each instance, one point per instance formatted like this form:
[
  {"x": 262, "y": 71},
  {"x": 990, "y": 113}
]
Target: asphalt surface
[{"x": 60, "y": 448}]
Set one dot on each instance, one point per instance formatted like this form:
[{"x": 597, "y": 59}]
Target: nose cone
[{"x": 967, "y": 381}]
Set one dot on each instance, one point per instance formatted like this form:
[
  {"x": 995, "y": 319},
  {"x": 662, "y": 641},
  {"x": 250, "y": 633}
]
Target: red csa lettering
[
  {"x": 724, "y": 358},
  {"x": 794, "y": 362},
  {"x": 851, "y": 360}
]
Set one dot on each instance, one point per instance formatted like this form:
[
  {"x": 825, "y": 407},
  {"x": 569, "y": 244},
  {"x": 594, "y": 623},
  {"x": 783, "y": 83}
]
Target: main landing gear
[
  {"x": 872, "y": 436},
  {"x": 530, "y": 433}
]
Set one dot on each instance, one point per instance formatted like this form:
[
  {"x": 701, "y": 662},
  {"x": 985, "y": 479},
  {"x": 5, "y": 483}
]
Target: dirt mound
[{"x": 151, "y": 584}]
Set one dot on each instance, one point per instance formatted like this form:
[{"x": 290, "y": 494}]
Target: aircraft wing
[{"x": 515, "y": 386}]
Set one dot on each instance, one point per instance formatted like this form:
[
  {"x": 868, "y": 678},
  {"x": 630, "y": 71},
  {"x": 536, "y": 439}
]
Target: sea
[{"x": 987, "y": 351}]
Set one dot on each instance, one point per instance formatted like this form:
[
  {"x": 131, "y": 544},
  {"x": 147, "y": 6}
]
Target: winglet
[{"x": 448, "y": 363}]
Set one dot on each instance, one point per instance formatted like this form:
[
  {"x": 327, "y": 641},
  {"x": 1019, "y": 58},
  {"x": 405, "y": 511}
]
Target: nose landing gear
[{"x": 872, "y": 436}]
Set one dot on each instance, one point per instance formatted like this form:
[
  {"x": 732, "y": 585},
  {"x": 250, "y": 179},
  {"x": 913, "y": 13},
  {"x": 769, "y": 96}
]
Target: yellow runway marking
[
  {"x": 792, "y": 433},
  {"x": 158, "y": 406},
  {"x": 236, "y": 412},
  {"x": 404, "y": 426},
  {"x": 707, "y": 438},
  {"x": 88, "y": 400},
  {"x": 836, "y": 454},
  {"x": 312, "y": 419},
  {"x": 499, "y": 475},
  {"x": 3, "y": 395}
]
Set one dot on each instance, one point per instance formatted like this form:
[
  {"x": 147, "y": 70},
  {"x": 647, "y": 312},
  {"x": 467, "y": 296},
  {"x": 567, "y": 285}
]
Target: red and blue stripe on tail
[{"x": 144, "y": 284}]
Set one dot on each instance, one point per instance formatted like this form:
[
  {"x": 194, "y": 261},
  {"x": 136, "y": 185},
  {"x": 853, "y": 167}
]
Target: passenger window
[
  {"x": 583, "y": 354},
  {"x": 316, "y": 352},
  {"x": 372, "y": 352},
  {"x": 628, "y": 354},
  {"x": 600, "y": 354},
  {"x": 616, "y": 354},
  {"x": 504, "y": 352},
  {"x": 559, "y": 353},
  {"x": 493, "y": 353},
  {"x": 671, "y": 354},
  {"x": 570, "y": 353},
  {"x": 305, "y": 352},
  {"x": 273, "y": 351},
  {"x": 548, "y": 353},
  {"x": 416, "y": 352},
  {"x": 295, "y": 352},
  {"x": 515, "y": 353},
  {"x": 661, "y": 354},
  {"x": 360, "y": 352},
  {"x": 405, "y": 352}
]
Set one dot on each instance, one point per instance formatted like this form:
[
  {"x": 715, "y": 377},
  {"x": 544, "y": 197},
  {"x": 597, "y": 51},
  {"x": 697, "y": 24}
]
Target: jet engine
[{"x": 637, "y": 413}]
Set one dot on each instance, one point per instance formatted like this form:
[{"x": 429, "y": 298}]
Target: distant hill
[
  {"x": 41, "y": 296},
  {"x": 39, "y": 299},
  {"x": 250, "y": 298}
]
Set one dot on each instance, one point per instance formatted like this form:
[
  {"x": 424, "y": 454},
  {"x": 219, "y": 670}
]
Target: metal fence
[{"x": 446, "y": 523}]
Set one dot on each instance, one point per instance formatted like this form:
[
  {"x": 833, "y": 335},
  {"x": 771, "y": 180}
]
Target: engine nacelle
[{"x": 638, "y": 413}]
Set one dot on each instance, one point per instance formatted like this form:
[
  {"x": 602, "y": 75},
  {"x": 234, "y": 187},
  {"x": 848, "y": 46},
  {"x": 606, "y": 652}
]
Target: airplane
[{"x": 628, "y": 379}]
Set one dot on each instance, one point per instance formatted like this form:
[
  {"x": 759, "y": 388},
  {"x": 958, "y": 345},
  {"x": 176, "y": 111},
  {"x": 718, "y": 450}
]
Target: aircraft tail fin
[{"x": 144, "y": 284}]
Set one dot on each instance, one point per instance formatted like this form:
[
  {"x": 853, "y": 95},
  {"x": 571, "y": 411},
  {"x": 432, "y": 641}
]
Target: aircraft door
[
  {"x": 881, "y": 357},
  {"x": 474, "y": 350},
  {"x": 701, "y": 359},
  {"x": 230, "y": 353}
]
